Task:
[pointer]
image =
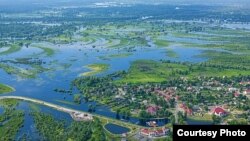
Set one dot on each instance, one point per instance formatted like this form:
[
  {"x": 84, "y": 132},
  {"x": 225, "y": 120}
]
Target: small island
[
  {"x": 5, "y": 89},
  {"x": 95, "y": 69}
]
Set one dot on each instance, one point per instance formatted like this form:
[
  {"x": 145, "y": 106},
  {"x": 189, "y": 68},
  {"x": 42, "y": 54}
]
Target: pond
[
  {"x": 198, "y": 122},
  {"x": 116, "y": 129}
]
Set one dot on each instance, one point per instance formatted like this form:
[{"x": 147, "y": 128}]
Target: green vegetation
[
  {"x": 95, "y": 69},
  {"x": 120, "y": 55},
  {"x": 34, "y": 67},
  {"x": 223, "y": 38},
  {"x": 62, "y": 39},
  {"x": 204, "y": 117},
  {"x": 77, "y": 98},
  {"x": 88, "y": 40},
  {"x": 66, "y": 102},
  {"x": 107, "y": 91},
  {"x": 164, "y": 139},
  {"x": 46, "y": 50},
  {"x": 21, "y": 72},
  {"x": 238, "y": 121},
  {"x": 123, "y": 43},
  {"x": 144, "y": 71},
  {"x": 34, "y": 107},
  {"x": 149, "y": 89},
  {"x": 125, "y": 92},
  {"x": 227, "y": 60},
  {"x": 13, "y": 48},
  {"x": 17, "y": 71},
  {"x": 5, "y": 89},
  {"x": 148, "y": 71},
  {"x": 162, "y": 43},
  {"x": 9, "y": 102},
  {"x": 77, "y": 131},
  {"x": 171, "y": 53},
  {"x": 11, "y": 120}
]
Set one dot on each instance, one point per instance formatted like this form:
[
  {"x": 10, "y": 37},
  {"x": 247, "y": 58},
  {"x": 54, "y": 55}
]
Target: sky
[{"x": 202, "y": 2}]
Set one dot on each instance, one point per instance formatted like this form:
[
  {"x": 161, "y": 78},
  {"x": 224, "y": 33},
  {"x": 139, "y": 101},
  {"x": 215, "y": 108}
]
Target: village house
[
  {"x": 154, "y": 132},
  {"x": 152, "y": 110},
  {"x": 231, "y": 89},
  {"x": 185, "y": 109},
  {"x": 236, "y": 94},
  {"x": 218, "y": 88},
  {"x": 167, "y": 94},
  {"x": 245, "y": 83},
  {"x": 218, "y": 111},
  {"x": 145, "y": 102}
]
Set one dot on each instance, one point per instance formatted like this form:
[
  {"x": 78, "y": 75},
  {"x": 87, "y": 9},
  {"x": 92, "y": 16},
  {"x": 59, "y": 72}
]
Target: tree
[{"x": 216, "y": 119}]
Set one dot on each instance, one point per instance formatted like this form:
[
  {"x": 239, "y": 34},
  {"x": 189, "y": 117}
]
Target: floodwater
[
  {"x": 66, "y": 65},
  {"x": 116, "y": 129},
  {"x": 1, "y": 110}
]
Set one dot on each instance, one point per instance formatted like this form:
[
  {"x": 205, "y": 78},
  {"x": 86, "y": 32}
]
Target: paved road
[
  {"x": 68, "y": 110},
  {"x": 57, "y": 107}
]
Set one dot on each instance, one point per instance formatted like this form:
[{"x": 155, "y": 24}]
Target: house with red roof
[
  {"x": 218, "y": 111},
  {"x": 185, "y": 109},
  {"x": 147, "y": 132},
  {"x": 152, "y": 110},
  {"x": 154, "y": 132},
  {"x": 161, "y": 132}
]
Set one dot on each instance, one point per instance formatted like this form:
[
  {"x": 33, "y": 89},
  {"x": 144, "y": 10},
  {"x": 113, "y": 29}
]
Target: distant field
[
  {"x": 144, "y": 71},
  {"x": 162, "y": 43}
]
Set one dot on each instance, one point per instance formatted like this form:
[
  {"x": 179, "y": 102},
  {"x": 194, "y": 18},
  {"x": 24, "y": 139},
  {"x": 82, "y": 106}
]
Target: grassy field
[
  {"x": 161, "y": 43},
  {"x": 227, "y": 59},
  {"x": 144, "y": 71},
  {"x": 5, "y": 89},
  {"x": 95, "y": 69},
  {"x": 205, "y": 117}
]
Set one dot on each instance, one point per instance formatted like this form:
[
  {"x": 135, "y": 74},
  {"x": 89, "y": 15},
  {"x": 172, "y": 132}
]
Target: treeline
[{"x": 31, "y": 31}]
